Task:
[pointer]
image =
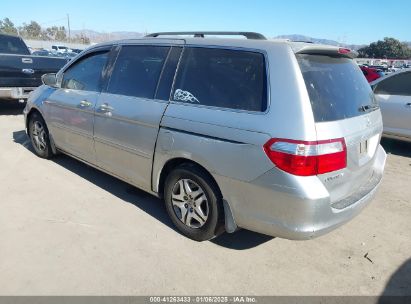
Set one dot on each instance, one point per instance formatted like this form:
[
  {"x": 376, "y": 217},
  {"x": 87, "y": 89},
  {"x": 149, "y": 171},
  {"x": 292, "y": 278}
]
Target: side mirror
[{"x": 49, "y": 80}]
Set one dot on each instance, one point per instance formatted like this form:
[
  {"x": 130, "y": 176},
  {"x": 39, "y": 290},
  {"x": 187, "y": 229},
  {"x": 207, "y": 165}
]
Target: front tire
[
  {"x": 39, "y": 136},
  {"x": 194, "y": 202}
]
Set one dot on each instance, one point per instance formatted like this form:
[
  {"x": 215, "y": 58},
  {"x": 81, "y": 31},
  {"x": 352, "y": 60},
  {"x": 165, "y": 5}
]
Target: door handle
[
  {"x": 106, "y": 108},
  {"x": 85, "y": 103},
  {"x": 28, "y": 71}
]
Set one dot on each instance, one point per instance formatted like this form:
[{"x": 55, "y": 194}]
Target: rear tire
[
  {"x": 194, "y": 202},
  {"x": 39, "y": 136}
]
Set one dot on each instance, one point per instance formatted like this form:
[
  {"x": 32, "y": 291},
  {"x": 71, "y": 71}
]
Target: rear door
[
  {"x": 128, "y": 113},
  {"x": 344, "y": 106},
  {"x": 70, "y": 109},
  {"x": 394, "y": 96}
]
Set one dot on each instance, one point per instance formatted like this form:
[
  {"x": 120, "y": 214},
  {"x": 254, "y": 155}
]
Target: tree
[
  {"x": 388, "y": 48},
  {"x": 31, "y": 30},
  {"x": 61, "y": 34},
  {"x": 7, "y": 27}
]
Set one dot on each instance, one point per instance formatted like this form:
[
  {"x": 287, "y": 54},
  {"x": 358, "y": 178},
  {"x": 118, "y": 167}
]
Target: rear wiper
[{"x": 368, "y": 108}]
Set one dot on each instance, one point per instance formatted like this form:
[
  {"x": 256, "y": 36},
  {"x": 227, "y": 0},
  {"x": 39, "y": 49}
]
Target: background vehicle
[
  {"x": 42, "y": 53},
  {"x": 20, "y": 72},
  {"x": 371, "y": 74},
  {"x": 277, "y": 137},
  {"x": 394, "y": 96},
  {"x": 77, "y": 51},
  {"x": 60, "y": 49},
  {"x": 68, "y": 55}
]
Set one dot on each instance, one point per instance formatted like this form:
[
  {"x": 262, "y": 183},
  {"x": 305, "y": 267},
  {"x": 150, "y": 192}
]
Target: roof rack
[{"x": 201, "y": 34}]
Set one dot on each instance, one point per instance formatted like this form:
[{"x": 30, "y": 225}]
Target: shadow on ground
[
  {"x": 398, "y": 286},
  {"x": 241, "y": 240},
  {"x": 396, "y": 147},
  {"x": 8, "y": 107}
]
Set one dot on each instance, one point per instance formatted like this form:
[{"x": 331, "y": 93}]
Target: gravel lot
[{"x": 68, "y": 229}]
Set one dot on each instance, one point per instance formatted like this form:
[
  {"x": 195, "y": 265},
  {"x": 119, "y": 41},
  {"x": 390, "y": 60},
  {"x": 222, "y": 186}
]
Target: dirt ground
[{"x": 68, "y": 229}]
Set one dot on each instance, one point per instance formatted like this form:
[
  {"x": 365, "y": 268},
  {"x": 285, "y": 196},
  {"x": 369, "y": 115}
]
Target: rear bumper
[
  {"x": 16, "y": 93},
  {"x": 296, "y": 208}
]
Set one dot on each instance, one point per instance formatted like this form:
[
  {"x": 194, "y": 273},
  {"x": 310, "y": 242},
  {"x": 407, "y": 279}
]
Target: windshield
[{"x": 336, "y": 86}]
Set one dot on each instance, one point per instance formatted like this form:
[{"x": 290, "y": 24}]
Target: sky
[{"x": 348, "y": 21}]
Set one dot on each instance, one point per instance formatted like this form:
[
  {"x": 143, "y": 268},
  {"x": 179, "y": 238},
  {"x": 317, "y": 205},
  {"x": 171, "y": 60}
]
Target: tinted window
[
  {"x": 336, "y": 87},
  {"x": 395, "y": 85},
  {"x": 12, "y": 45},
  {"x": 222, "y": 78},
  {"x": 85, "y": 74},
  {"x": 137, "y": 71}
]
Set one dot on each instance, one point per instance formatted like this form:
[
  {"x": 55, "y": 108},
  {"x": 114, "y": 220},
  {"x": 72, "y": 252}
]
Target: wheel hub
[{"x": 190, "y": 203}]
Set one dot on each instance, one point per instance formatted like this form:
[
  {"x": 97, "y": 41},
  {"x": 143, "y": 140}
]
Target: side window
[
  {"x": 222, "y": 78},
  {"x": 137, "y": 71},
  {"x": 395, "y": 85},
  {"x": 54, "y": 47},
  {"x": 85, "y": 74},
  {"x": 12, "y": 45}
]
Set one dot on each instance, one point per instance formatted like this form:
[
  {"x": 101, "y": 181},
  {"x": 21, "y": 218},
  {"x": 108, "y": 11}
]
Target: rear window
[
  {"x": 337, "y": 88},
  {"x": 12, "y": 45}
]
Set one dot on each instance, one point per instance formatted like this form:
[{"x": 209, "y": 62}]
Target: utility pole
[{"x": 69, "y": 31}]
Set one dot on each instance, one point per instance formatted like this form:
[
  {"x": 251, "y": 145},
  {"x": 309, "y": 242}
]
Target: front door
[
  {"x": 70, "y": 109},
  {"x": 128, "y": 114}
]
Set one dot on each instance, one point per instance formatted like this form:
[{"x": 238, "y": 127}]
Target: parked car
[
  {"x": 393, "y": 93},
  {"x": 68, "y": 56},
  {"x": 42, "y": 53},
  {"x": 371, "y": 74},
  {"x": 21, "y": 71},
  {"x": 77, "y": 51},
  {"x": 277, "y": 137},
  {"x": 60, "y": 49},
  {"x": 384, "y": 68}
]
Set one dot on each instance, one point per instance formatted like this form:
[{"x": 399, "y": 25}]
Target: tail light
[{"x": 307, "y": 158}]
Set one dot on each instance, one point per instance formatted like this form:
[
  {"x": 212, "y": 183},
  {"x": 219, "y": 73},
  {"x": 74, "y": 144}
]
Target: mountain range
[{"x": 97, "y": 37}]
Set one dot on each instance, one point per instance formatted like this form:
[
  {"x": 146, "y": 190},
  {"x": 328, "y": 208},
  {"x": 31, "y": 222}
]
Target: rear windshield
[
  {"x": 336, "y": 86},
  {"x": 12, "y": 45}
]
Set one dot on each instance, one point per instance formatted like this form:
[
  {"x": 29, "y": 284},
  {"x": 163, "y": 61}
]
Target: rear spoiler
[{"x": 328, "y": 51}]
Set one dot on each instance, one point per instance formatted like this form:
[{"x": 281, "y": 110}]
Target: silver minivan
[{"x": 278, "y": 137}]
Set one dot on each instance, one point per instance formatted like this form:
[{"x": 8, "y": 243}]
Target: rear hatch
[{"x": 344, "y": 107}]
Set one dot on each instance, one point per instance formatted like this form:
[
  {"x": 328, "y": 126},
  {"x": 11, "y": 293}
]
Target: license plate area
[{"x": 363, "y": 148}]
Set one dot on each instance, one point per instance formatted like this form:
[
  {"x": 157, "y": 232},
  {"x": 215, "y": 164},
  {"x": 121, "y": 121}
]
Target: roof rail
[{"x": 201, "y": 34}]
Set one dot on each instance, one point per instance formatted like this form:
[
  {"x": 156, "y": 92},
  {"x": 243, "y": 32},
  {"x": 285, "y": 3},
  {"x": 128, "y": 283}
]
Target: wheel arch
[
  {"x": 32, "y": 111},
  {"x": 229, "y": 223},
  {"x": 173, "y": 163}
]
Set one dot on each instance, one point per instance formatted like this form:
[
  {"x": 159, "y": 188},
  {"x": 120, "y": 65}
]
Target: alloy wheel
[{"x": 190, "y": 203}]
